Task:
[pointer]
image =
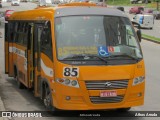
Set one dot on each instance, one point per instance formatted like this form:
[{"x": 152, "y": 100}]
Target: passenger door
[
  {"x": 43, "y": 55},
  {"x": 37, "y": 57},
  {"x": 29, "y": 53}
]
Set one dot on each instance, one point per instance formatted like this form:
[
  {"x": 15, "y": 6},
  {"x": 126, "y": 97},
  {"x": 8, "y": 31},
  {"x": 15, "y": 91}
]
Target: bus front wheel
[
  {"x": 48, "y": 98},
  {"x": 124, "y": 109}
]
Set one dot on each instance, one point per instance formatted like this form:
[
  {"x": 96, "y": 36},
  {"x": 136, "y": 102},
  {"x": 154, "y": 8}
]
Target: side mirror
[
  {"x": 139, "y": 35},
  {"x": 137, "y": 25}
]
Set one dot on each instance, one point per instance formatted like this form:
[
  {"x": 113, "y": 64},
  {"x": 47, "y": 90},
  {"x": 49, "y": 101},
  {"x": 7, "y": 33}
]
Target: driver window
[{"x": 130, "y": 36}]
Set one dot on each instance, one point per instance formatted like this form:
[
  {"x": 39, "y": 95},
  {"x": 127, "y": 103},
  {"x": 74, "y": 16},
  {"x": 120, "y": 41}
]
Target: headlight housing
[
  {"x": 138, "y": 80},
  {"x": 68, "y": 82}
]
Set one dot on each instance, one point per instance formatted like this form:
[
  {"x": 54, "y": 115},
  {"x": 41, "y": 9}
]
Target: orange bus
[{"x": 78, "y": 57}]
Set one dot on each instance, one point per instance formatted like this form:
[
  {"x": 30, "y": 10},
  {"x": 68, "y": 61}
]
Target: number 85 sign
[{"x": 70, "y": 72}]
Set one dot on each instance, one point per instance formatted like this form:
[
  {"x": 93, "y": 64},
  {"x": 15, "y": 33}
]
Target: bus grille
[
  {"x": 97, "y": 99},
  {"x": 102, "y": 85}
]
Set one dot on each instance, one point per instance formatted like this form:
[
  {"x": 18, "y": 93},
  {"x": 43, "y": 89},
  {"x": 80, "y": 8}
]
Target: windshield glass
[{"x": 102, "y": 36}]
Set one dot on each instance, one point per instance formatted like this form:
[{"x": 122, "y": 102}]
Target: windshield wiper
[
  {"x": 123, "y": 55},
  {"x": 85, "y": 57},
  {"x": 99, "y": 57},
  {"x": 73, "y": 56}
]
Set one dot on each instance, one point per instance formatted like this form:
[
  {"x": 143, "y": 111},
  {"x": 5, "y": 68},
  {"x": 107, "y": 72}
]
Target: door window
[{"x": 46, "y": 41}]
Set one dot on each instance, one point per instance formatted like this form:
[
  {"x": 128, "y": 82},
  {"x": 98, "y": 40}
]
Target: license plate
[{"x": 108, "y": 93}]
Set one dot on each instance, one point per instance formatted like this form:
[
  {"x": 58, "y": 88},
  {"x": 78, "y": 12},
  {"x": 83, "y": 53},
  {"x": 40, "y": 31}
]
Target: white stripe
[
  {"x": 20, "y": 53},
  {"x": 17, "y": 51},
  {"x": 10, "y": 49},
  {"x": 48, "y": 71}
]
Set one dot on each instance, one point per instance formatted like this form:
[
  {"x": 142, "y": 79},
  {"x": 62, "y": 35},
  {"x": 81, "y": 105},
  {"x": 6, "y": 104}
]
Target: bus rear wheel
[{"x": 20, "y": 85}]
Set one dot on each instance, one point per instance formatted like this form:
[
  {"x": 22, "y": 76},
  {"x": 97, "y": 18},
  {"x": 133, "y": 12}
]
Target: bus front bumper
[{"x": 68, "y": 98}]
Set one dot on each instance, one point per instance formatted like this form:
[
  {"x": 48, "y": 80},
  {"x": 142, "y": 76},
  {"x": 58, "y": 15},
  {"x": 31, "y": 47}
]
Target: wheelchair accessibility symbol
[{"x": 103, "y": 51}]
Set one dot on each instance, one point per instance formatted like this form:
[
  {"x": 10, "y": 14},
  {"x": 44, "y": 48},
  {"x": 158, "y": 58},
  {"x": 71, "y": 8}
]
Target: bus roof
[
  {"x": 44, "y": 13},
  {"x": 68, "y": 11}
]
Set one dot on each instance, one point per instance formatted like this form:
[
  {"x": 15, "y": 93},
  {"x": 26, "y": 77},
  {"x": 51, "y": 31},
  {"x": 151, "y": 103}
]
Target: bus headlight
[
  {"x": 74, "y": 82},
  {"x": 68, "y": 82},
  {"x": 138, "y": 80}
]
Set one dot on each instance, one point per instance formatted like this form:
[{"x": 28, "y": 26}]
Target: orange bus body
[{"x": 41, "y": 72}]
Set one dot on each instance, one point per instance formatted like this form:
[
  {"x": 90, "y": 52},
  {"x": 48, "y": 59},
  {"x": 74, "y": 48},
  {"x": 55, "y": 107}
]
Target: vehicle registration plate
[{"x": 112, "y": 93}]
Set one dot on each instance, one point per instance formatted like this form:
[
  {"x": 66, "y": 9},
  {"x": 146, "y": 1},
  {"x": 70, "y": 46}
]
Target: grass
[
  {"x": 127, "y": 3},
  {"x": 151, "y": 37},
  {"x": 118, "y": 2}
]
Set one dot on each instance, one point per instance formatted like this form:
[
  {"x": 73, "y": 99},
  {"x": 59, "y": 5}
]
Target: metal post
[{"x": 157, "y": 5}]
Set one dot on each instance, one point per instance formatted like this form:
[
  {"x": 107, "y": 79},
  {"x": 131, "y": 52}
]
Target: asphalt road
[
  {"x": 23, "y": 6},
  {"x": 17, "y": 100}
]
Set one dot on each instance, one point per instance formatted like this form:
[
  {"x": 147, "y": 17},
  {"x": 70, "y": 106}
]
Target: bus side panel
[{"x": 6, "y": 48}]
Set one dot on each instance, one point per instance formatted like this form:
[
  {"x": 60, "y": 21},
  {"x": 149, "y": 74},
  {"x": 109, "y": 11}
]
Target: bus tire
[
  {"x": 124, "y": 109},
  {"x": 19, "y": 84},
  {"x": 47, "y": 99}
]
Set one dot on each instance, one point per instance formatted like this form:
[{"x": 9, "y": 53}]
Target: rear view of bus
[{"x": 99, "y": 60}]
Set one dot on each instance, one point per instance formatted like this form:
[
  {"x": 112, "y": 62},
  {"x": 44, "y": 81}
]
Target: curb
[
  {"x": 158, "y": 42},
  {"x": 2, "y": 108}
]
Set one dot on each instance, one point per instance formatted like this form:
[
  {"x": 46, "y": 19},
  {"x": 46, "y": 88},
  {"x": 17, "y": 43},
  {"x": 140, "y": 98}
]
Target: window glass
[
  {"x": 21, "y": 33},
  {"x": 20, "y": 37},
  {"x": 95, "y": 35},
  {"x": 46, "y": 41}
]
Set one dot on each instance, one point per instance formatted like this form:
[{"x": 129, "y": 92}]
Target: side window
[
  {"x": 11, "y": 31},
  {"x": 130, "y": 37},
  {"x": 25, "y": 30},
  {"x": 46, "y": 41},
  {"x": 11, "y": 26},
  {"x": 15, "y": 32},
  {"x": 21, "y": 33},
  {"x": 6, "y": 31},
  {"x": 20, "y": 38}
]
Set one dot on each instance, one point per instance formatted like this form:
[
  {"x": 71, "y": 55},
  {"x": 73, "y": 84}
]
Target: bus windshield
[{"x": 100, "y": 36}]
